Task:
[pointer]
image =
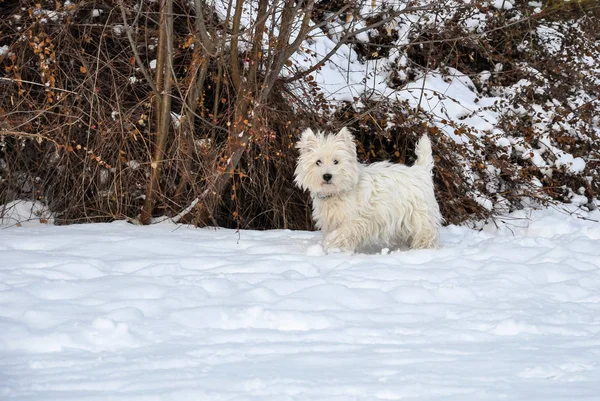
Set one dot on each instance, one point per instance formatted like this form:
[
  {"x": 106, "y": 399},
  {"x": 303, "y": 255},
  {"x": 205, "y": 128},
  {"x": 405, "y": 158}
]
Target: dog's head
[{"x": 327, "y": 164}]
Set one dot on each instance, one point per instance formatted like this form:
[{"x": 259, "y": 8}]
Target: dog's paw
[{"x": 331, "y": 250}]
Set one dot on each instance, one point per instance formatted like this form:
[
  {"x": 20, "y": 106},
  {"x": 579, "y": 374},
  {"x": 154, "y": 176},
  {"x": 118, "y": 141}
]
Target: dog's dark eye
[
  {"x": 318, "y": 162},
  {"x": 335, "y": 162}
]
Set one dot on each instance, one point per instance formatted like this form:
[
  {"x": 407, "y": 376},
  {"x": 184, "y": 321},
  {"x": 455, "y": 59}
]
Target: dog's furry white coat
[{"x": 355, "y": 205}]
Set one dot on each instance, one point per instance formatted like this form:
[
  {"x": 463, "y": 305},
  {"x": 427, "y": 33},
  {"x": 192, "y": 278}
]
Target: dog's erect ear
[
  {"x": 346, "y": 135},
  {"x": 307, "y": 140}
]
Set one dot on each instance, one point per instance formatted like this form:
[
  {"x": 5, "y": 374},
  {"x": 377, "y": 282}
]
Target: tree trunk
[{"x": 164, "y": 84}]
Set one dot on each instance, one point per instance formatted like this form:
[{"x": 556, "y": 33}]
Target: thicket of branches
[{"x": 190, "y": 109}]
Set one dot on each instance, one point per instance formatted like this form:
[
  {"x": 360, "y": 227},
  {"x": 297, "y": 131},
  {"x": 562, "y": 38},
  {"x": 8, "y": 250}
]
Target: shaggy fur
[{"x": 358, "y": 206}]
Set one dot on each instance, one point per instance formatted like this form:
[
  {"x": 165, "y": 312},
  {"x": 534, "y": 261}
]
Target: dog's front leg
[{"x": 345, "y": 238}]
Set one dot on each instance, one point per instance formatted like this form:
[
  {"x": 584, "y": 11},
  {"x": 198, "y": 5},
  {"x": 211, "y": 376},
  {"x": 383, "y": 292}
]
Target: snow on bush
[{"x": 21, "y": 212}]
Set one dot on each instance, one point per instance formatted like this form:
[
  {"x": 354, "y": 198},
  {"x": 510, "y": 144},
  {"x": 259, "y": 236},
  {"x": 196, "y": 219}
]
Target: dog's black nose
[{"x": 327, "y": 177}]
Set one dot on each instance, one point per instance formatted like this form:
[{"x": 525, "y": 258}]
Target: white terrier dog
[{"x": 358, "y": 206}]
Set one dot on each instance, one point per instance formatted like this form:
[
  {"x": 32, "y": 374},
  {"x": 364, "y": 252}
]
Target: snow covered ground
[{"x": 122, "y": 312}]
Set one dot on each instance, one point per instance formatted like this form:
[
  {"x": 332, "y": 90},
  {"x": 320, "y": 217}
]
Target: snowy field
[{"x": 121, "y": 312}]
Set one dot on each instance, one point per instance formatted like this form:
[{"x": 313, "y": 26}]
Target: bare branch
[
  {"x": 17, "y": 81},
  {"x": 235, "y": 68},
  {"x": 284, "y": 53},
  {"x": 205, "y": 38},
  {"x": 136, "y": 54},
  {"x": 344, "y": 40}
]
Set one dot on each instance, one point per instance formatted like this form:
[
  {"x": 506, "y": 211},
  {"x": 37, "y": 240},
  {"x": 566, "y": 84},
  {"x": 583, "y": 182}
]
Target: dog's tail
[{"x": 424, "y": 154}]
